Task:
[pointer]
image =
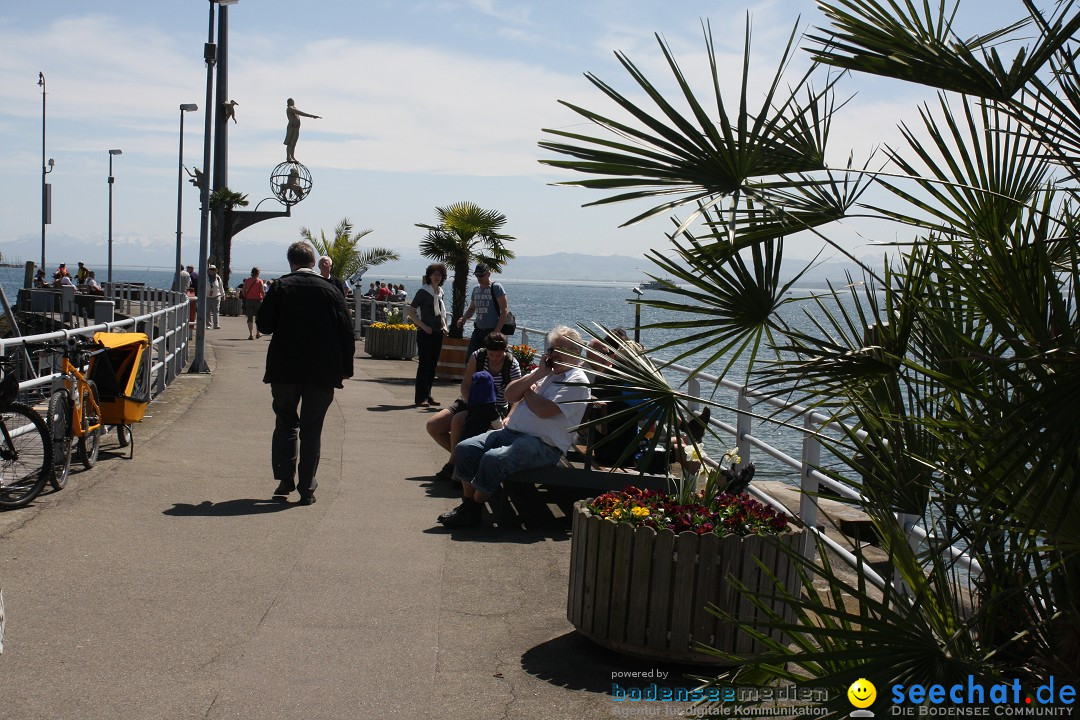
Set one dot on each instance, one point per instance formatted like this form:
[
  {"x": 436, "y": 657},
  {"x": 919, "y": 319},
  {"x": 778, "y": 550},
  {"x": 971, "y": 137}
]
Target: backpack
[{"x": 481, "y": 363}]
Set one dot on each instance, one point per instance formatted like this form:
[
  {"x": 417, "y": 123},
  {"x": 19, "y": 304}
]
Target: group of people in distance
[
  {"x": 380, "y": 291},
  {"x": 84, "y": 280}
]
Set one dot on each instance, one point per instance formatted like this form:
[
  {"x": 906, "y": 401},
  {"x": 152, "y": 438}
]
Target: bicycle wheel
[
  {"x": 60, "y": 429},
  {"x": 123, "y": 435},
  {"x": 25, "y": 455},
  {"x": 90, "y": 442}
]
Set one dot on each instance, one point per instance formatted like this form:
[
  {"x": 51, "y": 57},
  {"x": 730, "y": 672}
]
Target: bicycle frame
[{"x": 70, "y": 372}]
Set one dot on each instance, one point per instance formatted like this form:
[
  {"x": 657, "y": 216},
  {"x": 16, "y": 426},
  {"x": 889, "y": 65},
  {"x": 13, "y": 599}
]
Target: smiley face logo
[{"x": 862, "y": 693}]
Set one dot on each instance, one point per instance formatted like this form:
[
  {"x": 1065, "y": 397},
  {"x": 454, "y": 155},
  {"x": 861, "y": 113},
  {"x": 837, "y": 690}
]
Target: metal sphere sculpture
[{"x": 290, "y": 182}]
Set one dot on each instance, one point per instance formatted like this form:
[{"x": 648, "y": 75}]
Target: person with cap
[
  {"x": 214, "y": 292},
  {"x": 489, "y": 302}
]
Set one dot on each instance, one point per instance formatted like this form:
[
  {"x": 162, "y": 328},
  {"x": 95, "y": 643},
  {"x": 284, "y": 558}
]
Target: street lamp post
[
  {"x": 198, "y": 360},
  {"x": 111, "y": 153},
  {"x": 185, "y": 107},
  {"x": 46, "y": 194}
]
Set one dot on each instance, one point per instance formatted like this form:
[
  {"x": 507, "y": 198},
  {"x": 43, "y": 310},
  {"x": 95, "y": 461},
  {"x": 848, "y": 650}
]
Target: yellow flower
[
  {"x": 640, "y": 512},
  {"x": 617, "y": 513}
]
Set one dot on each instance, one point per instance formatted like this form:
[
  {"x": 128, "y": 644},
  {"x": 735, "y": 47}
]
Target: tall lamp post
[
  {"x": 185, "y": 107},
  {"x": 46, "y": 189},
  {"x": 198, "y": 360},
  {"x": 111, "y": 153}
]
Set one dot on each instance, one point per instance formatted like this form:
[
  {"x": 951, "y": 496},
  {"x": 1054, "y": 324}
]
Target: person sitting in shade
[
  {"x": 537, "y": 434},
  {"x": 92, "y": 285}
]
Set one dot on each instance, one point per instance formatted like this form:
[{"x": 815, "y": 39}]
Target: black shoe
[
  {"x": 432, "y": 401},
  {"x": 466, "y": 514},
  {"x": 698, "y": 424},
  {"x": 307, "y": 500},
  {"x": 284, "y": 488},
  {"x": 447, "y": 472}
]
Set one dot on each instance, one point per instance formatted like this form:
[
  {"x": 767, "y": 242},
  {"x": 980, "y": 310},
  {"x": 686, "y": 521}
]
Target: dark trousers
[
  {"x": 428, "y": 348},
  {"x": 299, "y": 409},
  {"x": 477, "y": 341}
]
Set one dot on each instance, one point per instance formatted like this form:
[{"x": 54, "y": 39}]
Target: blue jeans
[{"x": 486, "y": 460}]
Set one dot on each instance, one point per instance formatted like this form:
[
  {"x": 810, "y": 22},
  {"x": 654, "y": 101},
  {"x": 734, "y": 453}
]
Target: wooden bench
[{"x": 579, "y": 470}]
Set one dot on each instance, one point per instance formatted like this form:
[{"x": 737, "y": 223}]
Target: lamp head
[
  {"x": 116, "y": 152},
  {"x": 52, "y": 163},
  {"x": 188, "y": 107}
]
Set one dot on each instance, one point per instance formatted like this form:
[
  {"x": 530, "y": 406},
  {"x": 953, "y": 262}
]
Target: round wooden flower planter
[
  {"x": 393, "y": 344},
  {"x": 645, "y": 593},
  {"x": 231, "y": 306},
  {"x": 452, "y": 360}
]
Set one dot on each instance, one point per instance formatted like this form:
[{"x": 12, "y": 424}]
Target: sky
[{"x": 423, "y": 103}]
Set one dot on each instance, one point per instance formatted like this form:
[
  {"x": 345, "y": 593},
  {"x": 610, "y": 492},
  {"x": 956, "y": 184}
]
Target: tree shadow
[
  {"x": 574, "y": 662},
  {"x": 228, "y": 508}
]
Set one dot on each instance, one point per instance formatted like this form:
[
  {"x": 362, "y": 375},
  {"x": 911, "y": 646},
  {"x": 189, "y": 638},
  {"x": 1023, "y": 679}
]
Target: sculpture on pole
[{"x": 292, "y": 132}]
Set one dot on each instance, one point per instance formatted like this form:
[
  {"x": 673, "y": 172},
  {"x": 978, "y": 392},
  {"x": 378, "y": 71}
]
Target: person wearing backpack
[{"x": 445, "y": 427}]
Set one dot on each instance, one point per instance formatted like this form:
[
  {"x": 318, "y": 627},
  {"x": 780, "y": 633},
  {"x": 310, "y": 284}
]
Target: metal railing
[
  {"x": 750, "y": 406},
  {"x": 162, "y": 314}
]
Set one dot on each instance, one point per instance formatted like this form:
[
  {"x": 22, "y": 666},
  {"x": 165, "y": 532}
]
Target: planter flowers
[
  {"x": 646, "y": 566},
  {"x": 526, "y": 356}
]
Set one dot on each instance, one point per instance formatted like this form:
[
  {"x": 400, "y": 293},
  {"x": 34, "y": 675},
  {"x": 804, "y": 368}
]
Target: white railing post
[
  {"x": 743, "y": 426},
  {"x": 811, "y": 459},
  {"x": 693, "y": 389},
  {"x": 163, "y": 351}
]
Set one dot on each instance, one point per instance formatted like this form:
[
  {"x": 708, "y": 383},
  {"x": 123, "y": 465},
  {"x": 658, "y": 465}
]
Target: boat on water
[{"x": 657, "y": 284}]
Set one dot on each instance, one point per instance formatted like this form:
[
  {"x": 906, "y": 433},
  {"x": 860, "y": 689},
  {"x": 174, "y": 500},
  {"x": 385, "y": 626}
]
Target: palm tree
[
  {"x": 465, "y": 233},
  {"x": 347, "y": 258},
  {"x": 957, "y": 364},
  {"x": 222, "y": 203}
]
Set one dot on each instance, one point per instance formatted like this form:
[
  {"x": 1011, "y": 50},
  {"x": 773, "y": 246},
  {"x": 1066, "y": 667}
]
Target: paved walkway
[{"x": 169, "y": 586}]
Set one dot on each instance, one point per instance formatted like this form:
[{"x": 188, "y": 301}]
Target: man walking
[
  {"x": 489, "y": 303},
  {"x": 311, "y": 352}
]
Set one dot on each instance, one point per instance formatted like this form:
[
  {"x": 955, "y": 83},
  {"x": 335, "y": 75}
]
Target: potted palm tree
[
  {"x": 953, "y": 361},
  {"x": 223, "y": 202},
  {"x": 465, "y": 234}
]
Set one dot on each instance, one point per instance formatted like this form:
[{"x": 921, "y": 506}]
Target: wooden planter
[
  {"x": 231, "y": 306},
  {"x": 452, "y": 360},
  {"x": 645, "y": 593},
  {"x": 394, "y": 344}
]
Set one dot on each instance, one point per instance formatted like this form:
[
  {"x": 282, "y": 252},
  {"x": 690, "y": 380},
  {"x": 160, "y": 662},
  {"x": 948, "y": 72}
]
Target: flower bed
[
  {"x": 724, "y": 514},
  {"x": 525, "y": 355}
]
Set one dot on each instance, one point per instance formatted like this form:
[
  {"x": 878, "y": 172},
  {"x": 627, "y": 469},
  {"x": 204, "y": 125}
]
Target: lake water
[{"x": 543, "y": 305}]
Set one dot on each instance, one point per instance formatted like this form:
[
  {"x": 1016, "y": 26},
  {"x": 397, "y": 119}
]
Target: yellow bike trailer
[{"x": 122, "y": 380}]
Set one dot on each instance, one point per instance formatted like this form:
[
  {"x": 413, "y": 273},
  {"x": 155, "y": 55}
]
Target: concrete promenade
[{"x": 170, "y": 586}]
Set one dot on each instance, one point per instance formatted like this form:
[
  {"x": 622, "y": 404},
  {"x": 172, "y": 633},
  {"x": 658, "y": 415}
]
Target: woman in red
[{"x": 253, "y": 293}]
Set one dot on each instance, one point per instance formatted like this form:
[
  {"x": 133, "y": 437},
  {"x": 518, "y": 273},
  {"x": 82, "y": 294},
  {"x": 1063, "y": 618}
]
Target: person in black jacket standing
[{"x": 311, "y": 352}]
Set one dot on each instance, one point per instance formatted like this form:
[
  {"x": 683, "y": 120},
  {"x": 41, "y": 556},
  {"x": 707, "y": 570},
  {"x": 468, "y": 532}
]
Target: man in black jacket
[{"x": 311, "y": 352}]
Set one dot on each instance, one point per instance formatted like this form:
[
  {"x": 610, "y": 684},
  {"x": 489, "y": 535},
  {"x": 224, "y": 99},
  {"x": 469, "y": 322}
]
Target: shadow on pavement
[
  {"x": 228, "y": 508},
  {"x": 574, "y": 662}
]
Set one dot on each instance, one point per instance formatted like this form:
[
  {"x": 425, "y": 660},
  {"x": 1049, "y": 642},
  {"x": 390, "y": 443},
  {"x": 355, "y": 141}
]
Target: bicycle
[
  {"x": 74, "y": 415},
  {"x": 25, "y": 445}
]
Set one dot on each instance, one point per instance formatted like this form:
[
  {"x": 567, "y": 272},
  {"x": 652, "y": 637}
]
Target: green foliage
[
  {"x": 224, "y": 199},
  {"x": 344, "y": 250},
  {"x": 466, "y": 233},
  {"x": 956, "y": 365}
]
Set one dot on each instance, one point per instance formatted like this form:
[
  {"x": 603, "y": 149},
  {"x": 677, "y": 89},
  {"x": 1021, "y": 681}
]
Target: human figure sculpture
[
  {"x": 230, "y": 110},
  {"x": 292, "y": 133},
  {"x": 292, "y": 186},
  {"x": 196, "y": 176}
]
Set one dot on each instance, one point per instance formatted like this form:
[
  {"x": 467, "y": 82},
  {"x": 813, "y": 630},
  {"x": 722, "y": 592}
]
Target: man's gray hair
[
  {"x": 561, "y": 332},
  {"x": 301, "y": 254}
]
